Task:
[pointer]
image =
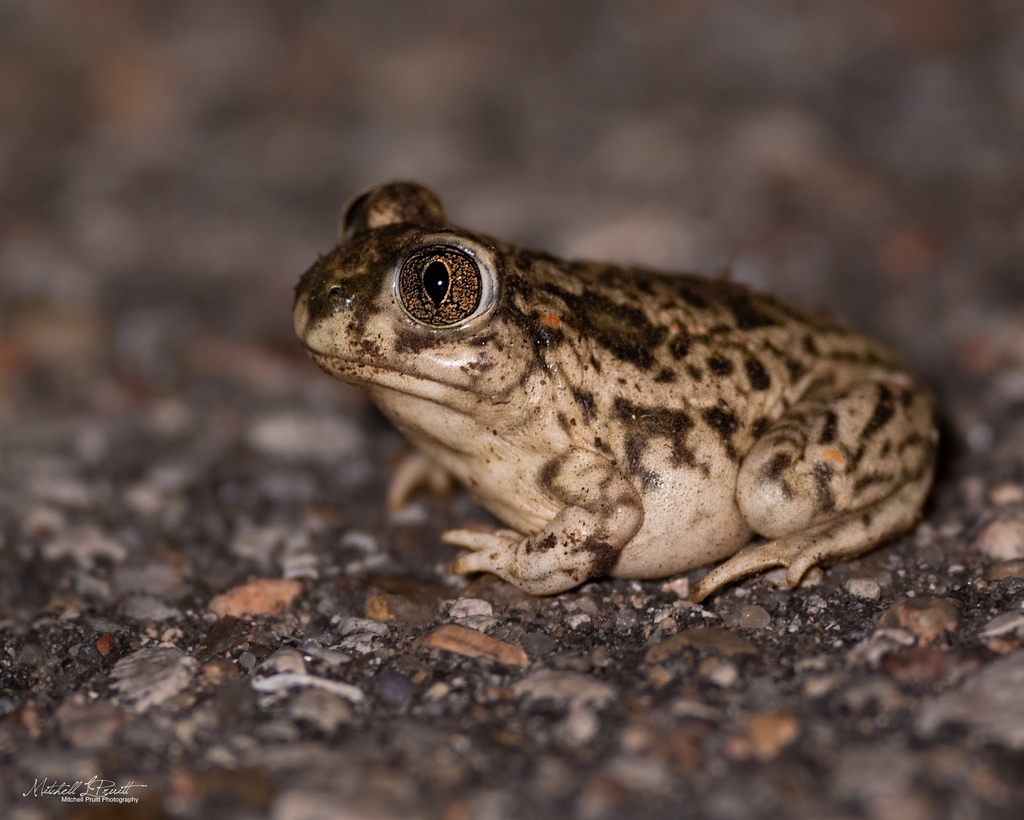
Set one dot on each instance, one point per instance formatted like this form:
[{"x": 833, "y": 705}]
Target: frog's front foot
[{"x": 540, "y": 567}]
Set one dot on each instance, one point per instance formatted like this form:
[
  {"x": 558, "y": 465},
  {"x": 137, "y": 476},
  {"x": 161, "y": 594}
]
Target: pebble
[
  {"x": 284, "y": 660},
  {"x": 85, "y": 546},
  {"x": 626, "y": 619},
  {"x": 327, "y": 439},
  {"x": 573, "y": 688},
  {"x": 1006, "y": 493},
  {"x": 752, "y": 616},
  {"x": 1005, "y": 624},
  {"x": 988, "y": 703},
  {"x": 473, "y": 644},
  {"x": 297, "y": 680},
  {"x": 392, "y": 687},
  {"x": 1002, "y": 539},
  {"x": 325, "y": 710},
  {"x": 867, "y": 588},
  {"x": 927, "y": 618},
  {"x": 89, "y": 725},
  {"x": 470, "y": 608},
  {"x": 713, "y": 639},
  {"x": 152, "y": 675},
  {"x": 771, "y": 732},
  {"x": 264, "y": 596},
  {"x": 147, "y": 608}
]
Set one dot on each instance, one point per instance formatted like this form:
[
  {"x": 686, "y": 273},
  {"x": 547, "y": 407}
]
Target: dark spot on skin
[
  {"x": 809, "y": 345},
  {"x": 665, "y": 376},
  {"x": 870, "y": 480},
  {"x": 635, "y": 446},
  {"x": 748, "y": 315},
  {"x": 724, "y": 423},
  {"x": 602, "y": 555},
  {"x": 594, "y": 363},
  {"x": 757, "y": 375},
  {"x": 760, "y": 426},
  {"x": 830, "y": 428},
  {"x": 585, "y": 400},
  {"x": 644, "y": 423},
  {"x": 886, "y": 448},
  {"x": 622, "y": 330},
  {"x": 564, "y": 422},
  {"x": 549, "y": 472},
  {"x": 906, "y": 397},
  {"x": 823, "y": 486},
  {"x": 880, "y": 416},
  {"x": 695, "y": 372},
  {"x": 795, "y": 368},
  {"x": 548, "y": 542},
  {"x": 679, "y": 345},
  {"x": 779, "y": 463},
  {"x": 719, "y": 365}
]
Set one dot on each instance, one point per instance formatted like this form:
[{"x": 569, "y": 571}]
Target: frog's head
[{"x": 410, "y": 303}]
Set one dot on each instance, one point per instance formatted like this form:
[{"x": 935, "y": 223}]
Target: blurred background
[{"x": 168, "y": 170}]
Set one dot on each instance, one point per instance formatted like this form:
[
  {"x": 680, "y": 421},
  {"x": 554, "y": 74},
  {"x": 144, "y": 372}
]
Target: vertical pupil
[{"x": 436, "y": 281}]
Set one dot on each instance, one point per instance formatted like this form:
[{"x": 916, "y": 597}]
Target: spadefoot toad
[{"x": 620, "y": 421}]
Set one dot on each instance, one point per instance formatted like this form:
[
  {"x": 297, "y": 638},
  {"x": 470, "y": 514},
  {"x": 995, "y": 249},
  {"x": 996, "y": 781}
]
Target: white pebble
[
  {"x": 1003, "y": 539},
  {"x": 867, "y": 588}
]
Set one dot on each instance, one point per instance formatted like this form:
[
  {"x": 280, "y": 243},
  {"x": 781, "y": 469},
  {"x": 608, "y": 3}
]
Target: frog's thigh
[
  {"x": 602, "y": 511},
  {"x": 827, "y": 456},
  {"x": 832, "y": 478}
]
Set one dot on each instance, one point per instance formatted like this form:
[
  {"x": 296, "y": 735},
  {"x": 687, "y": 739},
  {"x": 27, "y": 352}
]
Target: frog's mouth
[{"x": 372, "y": 375}]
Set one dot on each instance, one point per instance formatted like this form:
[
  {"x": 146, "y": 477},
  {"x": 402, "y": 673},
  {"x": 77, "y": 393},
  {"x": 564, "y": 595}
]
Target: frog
[{"x": 617, "y": 420}]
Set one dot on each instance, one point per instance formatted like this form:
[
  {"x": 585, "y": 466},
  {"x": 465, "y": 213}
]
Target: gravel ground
[{"x": 203, "y": 601}]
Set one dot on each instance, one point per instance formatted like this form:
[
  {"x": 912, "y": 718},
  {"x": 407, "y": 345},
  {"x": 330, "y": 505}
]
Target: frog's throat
[{"x": 369, "y": 375}]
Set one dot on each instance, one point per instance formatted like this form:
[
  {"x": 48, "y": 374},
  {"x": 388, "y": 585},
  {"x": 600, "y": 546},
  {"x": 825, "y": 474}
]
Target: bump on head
[{"x": 391, "y": 204}]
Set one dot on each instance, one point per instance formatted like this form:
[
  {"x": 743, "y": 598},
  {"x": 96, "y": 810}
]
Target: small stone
[
  {"x": 867, "y": 588},
  {"x": 85, "y": 546},
  {"x": 988, "y": 703},
  {"x": 771, "y": 732},
  {"x": 1005, "y": 624},
  {"x": 89, "y": 725},
  {"x": 284, "y": 660},
  {"x": 393, "y": 687},
  {"x": 926, "y": 618},
  {"x": 470, "y": 608},
  {"x": 722, "y": 674},
  {"x": 1002, "y": 539},
  {"x": 565, "y": 687},
  {"x": 473, "y": 644},
  {"x": 326, "y": 439},
  {"x": 264, "y": 596},
  {"x": 1006, "y": 569},
  {"x": 1006, "y": 493},
  {"x": 296, "y": 680},
  {"x": 377, "y": 608},
  {"x": 538, "y": 644},
  {"x": 575, "y": 620},
  {"x": 713, "y": 639},
  {"x": 320, "y": 708},
  {"x": 147, "y": 608},
  {"x": 752, "y": 616},
  {"x": 152, "y": 676},
  {"x": 626, "y": 619}
]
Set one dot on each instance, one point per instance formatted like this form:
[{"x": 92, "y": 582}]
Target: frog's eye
[{"x": 441, "y": 286}]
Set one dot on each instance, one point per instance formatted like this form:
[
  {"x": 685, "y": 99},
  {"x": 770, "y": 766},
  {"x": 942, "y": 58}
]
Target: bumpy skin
[{"x": 622, "y": 421}]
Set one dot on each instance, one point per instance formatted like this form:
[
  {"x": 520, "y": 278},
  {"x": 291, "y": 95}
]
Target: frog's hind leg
[{"x": 831, "y": 478}]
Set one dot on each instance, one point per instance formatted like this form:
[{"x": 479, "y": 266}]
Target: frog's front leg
[
  {"x": 833, "y": 476},
  {"x": 602, "y": 512}
]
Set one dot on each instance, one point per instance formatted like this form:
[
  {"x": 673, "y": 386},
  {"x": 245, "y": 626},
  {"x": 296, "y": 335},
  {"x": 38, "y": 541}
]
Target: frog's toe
[
  {"x": 482, "y": 541},
  {"x": 782, "y": 553}
]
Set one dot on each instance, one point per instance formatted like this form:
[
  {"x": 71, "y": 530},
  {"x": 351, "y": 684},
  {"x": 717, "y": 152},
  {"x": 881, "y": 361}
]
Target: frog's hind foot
[{"x": 839, "y": 539}]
